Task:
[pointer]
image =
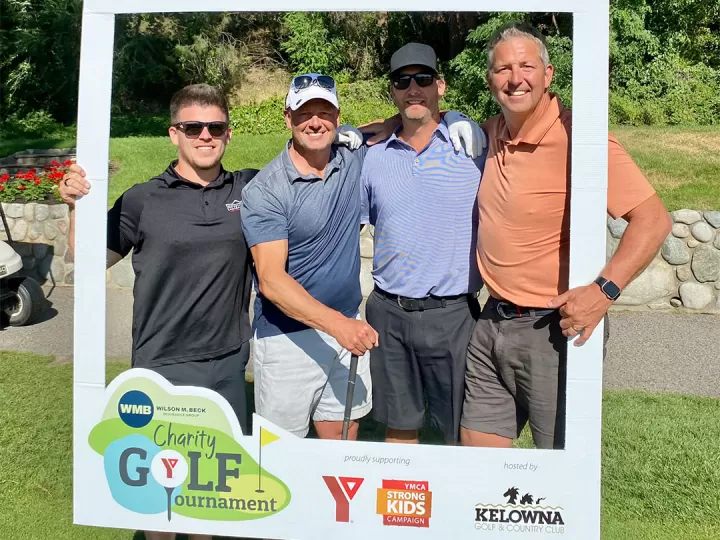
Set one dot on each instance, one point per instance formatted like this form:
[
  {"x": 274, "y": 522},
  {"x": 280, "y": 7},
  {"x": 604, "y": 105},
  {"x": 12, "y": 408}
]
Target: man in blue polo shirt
[
  {"x": 301, "y": 219},
  {"x": 420, "y": 194}
]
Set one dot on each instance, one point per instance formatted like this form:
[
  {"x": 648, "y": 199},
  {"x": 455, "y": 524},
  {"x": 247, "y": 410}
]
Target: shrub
[
  {"x": 668, "y": 91},
  {"x": 309, "y": 45},
  {"x": 266, "y": 117},
  {"x": 33, "y": 185},
  {"x": 218, "y": 64},
  {"x": 34, "y": 124}
]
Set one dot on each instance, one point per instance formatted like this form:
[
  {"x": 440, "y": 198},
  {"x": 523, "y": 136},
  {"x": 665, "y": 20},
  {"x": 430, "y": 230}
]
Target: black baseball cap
[{"x": 413, "y": 54}]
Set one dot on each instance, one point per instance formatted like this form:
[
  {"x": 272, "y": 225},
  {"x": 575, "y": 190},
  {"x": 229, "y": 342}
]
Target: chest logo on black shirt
[{"x": 233, "y": 206}]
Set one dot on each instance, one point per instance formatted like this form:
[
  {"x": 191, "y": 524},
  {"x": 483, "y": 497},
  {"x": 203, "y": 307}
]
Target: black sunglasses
[
  {"x": 192, "y": 130},
  {"x": 402, "y": 82},
  {"x": 301, "y": 82}
]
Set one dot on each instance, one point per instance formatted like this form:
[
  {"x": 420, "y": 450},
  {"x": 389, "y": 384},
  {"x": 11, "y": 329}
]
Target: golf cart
[{"x": 22, "y": 300}]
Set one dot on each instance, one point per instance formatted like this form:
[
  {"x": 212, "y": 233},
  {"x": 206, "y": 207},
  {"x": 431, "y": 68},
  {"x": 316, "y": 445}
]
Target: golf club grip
[{"x": 350, "y": 394}]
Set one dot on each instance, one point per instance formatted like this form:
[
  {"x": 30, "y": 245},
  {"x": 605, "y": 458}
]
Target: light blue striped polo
[{"x": 423, "y": 207}]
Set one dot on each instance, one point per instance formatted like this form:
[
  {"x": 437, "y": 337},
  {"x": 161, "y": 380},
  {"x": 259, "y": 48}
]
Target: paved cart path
[{"x": 652, "y": 351}]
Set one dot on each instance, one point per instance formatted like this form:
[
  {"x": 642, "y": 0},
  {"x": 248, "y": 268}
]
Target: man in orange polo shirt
[{"x": 516, "y": 358}]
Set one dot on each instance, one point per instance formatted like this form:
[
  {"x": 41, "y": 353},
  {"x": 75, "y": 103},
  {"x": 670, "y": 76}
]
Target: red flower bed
[{"x": 33, "y": 185}]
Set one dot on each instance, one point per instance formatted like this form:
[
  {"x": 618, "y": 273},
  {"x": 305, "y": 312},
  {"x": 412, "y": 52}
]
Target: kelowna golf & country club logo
[
  {"x": 528, "y": 515},
  {"x": 176, "y": 454},
  {"x": 404, "y": 503}
]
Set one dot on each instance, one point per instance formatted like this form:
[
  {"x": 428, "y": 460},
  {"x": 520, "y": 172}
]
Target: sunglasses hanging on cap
[
  {"x": 402, "y": 82},
  {"x": 301, "y": 82},
  {"x": 192, "y": 130}
]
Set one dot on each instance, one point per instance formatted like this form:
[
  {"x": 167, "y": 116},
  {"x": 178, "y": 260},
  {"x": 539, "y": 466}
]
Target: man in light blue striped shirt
[{"x": 420, "y": 194}]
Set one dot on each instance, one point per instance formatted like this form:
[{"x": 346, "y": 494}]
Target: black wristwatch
[{"x": 611, "y": 290}]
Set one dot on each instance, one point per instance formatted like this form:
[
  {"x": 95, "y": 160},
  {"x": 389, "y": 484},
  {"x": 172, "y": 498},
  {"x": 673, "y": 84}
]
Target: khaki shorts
[
  {"x": 516, "y": 374},
  {"x": 304, "y": 375}
]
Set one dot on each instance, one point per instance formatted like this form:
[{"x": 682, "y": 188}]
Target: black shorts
[
  {"x": 224, "y": 374},
  {"x": 420, "y": 360}
]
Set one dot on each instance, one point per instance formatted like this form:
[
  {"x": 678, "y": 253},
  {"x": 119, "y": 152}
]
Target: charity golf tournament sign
[
  {"x": 179, "y": 454},
  {"x": 155, "y": 457}
]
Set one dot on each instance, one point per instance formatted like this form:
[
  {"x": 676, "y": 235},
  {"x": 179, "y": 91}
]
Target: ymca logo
[
  {"x": 135, "y": 408},
  {"x": 343, "y": 490},
  {"x": 169, "y": 464},
  {"x": 169, "y": 468},
  {"x": 233, "y": 206},
  {"x": 404, "y": 503}
]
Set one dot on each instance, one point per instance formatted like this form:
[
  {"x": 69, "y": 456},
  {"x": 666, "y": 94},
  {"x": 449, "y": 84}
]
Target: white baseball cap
[{"x": 303, "y": 88}]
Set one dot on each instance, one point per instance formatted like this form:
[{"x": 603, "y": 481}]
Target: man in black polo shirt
[{"x": 191, "y": 262}]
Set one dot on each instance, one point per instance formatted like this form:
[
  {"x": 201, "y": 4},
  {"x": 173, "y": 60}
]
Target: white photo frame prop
[{"x": 150, "y": 456}]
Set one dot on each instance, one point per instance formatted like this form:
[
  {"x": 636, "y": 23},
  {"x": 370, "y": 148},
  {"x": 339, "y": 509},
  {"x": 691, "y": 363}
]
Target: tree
[{"x": 40, "y": 56}]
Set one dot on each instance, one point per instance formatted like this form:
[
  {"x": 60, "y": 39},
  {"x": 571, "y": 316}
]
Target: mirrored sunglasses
[
  {"x": 192, "y": 130},
  {"x": 301, "y": 82}
]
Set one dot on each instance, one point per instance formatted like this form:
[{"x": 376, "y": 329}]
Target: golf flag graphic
[{"x": 266, "y": 437}]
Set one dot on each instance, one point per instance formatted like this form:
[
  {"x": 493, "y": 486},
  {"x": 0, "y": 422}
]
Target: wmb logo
[{"x": 136, "y": 409}]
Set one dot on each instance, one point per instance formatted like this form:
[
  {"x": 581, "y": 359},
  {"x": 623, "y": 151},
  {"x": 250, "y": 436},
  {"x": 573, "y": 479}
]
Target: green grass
[
  {"x": 682, "y": 163},
  {"x": 661, "y": 460},
  {"x": 141, "y": 158}
]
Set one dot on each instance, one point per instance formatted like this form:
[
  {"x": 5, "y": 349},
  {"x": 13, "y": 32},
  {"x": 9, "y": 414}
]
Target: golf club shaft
[{"x": 350, "y": 394}]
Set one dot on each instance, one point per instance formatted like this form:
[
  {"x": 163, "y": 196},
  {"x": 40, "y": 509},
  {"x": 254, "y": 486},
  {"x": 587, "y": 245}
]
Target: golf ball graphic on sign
[{"x": 169, "y": 468}]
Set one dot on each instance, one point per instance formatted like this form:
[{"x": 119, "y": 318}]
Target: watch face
[{"x": 611, "y": 290}]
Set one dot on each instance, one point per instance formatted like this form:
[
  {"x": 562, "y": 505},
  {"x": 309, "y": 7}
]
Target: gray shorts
[
  {"x": 516, "y": 372},
  {"x": 304, "y": 375}
]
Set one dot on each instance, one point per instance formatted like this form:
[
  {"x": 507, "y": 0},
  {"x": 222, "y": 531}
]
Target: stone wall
[
  {"x": 28, "y": 159},
  {"x": 686, "y": 272},
  {"x": 39, "y": 232}
]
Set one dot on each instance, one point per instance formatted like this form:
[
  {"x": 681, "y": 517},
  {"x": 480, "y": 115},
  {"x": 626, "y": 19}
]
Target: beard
[{"x": 417, "y": 114}]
